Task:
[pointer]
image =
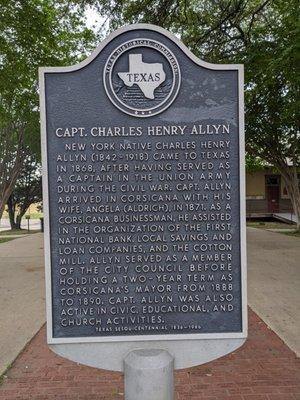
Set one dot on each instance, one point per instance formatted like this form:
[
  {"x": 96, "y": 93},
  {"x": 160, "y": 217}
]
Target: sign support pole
[{"x": 149, "y": 375}]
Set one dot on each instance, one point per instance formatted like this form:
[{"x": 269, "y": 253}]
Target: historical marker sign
[{"x": 143, "y": 153}]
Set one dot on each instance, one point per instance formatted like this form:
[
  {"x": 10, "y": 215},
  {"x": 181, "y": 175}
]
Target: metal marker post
[{"x": 149, "y": 375}]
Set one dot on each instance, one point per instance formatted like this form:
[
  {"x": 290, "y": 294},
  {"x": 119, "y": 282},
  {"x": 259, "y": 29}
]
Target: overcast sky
[{"x": 93, "y": 19}]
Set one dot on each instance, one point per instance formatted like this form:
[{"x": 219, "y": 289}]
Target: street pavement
[
  {"x": 34, "y": 224},
  {"x": 273, "y": 288}
]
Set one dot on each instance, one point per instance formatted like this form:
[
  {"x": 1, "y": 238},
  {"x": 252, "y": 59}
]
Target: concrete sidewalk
[
  {"x": 274, "y": 282},
  {"x": 21, "y": 294}
]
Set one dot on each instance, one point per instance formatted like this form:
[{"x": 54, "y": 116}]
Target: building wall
[
  {"x": 256, "y": 198},
  {"x": 255, "y": 185}
]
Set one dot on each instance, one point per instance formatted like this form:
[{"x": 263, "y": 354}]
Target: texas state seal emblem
[{"x": 142, "y": 77}]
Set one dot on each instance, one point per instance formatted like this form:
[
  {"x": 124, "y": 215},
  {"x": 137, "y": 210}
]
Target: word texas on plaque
[{"x": 143, "y": 153}]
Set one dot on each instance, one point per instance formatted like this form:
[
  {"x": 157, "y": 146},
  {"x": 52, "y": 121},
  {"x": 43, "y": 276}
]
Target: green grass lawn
[
  {"x": 18, "y": 232},
  {"x": 295, "y": 234},
  {"x": 35, "y": 215},
  {"x": 275, "y": 225},
  {"x": 270, "y": 225},
  {"x": 3, "y": 240}
]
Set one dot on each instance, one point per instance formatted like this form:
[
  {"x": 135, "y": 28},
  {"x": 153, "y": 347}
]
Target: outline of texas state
[{"x": 148, "y": 76}]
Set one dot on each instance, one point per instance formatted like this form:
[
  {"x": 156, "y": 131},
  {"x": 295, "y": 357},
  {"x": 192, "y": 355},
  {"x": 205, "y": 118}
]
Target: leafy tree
[
  {"x": 33, "y": 33},
  {"x": 262, "y": 34},
  {"x": 27, "y": 191}
]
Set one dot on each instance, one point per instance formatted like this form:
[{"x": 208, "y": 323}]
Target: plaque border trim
[{"x": 47, "y": 252}]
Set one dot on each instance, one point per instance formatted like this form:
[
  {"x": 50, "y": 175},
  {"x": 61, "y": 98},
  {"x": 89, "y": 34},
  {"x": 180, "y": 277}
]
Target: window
[{"x": 272, "y": 180}]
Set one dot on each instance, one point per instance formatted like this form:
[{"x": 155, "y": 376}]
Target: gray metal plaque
[{"x": 144, "y": 194}]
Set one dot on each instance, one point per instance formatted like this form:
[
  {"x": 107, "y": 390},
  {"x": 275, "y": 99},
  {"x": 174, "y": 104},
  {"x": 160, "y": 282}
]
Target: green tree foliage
[
  {"x": 264, "y": 35},
  {"x": 33, "y": 33}
]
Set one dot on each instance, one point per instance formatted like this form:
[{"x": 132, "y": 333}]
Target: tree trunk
[
  {"x": 18, "y": 221},
  {"x": 8, "y": 188},
  {"x": 292, "y": 185},
  {"x": 11, "y": 213},
  {"x": 21, "y": 213},
  {"x": 9, "y": 175}
]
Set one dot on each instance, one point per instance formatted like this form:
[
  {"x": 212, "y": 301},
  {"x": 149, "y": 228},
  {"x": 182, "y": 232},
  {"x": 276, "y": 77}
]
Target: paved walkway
[
  {"x": 274, "y": 282},
  {"x": 21, "y": 294},
  {"x": 287, "y": 217},
  {"x": 263, "y": 369}
]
